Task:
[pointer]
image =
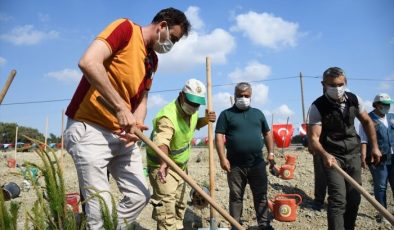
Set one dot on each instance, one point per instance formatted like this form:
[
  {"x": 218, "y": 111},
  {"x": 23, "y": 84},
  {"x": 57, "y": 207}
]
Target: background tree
[
  {"x": 7, "y": 133},
  {"x": 53, "y": 139}
]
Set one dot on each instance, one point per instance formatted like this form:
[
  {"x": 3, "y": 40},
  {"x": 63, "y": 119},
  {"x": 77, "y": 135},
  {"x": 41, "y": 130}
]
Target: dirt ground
[{"x": 195, "y": 218}]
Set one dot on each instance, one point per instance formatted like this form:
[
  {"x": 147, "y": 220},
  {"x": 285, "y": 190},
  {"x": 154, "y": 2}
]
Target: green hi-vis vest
[{"x": 181, "y": 139}]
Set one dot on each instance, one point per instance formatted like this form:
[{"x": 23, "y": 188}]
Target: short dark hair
[
  {"x": 173, "y": 17},
  {"x": 333, "y": 72}
]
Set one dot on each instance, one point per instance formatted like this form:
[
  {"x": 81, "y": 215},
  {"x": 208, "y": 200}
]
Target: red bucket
[
  {"x": 11, "y": 162},
  {"x": 290, "y": 159},
  {"x": 284, "y": 207},
  {"x": 72, "y": 201}
]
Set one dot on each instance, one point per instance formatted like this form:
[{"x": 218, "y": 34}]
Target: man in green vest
[{"x": 173, "y": 130}]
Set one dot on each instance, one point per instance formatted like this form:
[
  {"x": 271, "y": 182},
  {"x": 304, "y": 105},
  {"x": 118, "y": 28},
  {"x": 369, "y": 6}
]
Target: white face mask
[
  {"x": 163, "y": 47},
  {"x": 242, "y": 103},
  {"x": 335, "y": 93},
  {"x": 188, "y": 109}
]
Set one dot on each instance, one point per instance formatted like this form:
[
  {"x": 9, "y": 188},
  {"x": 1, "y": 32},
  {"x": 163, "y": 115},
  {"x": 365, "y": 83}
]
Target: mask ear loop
[{"x": 168, "y": 33}]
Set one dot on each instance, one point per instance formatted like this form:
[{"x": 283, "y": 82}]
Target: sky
[{"x": 268, "y": 43}]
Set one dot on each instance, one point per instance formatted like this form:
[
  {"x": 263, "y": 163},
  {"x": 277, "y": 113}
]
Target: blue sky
[{"x": 267, "y": 42}]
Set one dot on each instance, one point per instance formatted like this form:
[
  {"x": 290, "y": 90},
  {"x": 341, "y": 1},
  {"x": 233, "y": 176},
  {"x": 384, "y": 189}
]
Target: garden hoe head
[
  {"x": 273, "y": 169},
  {"x": 199, "y": 202}
]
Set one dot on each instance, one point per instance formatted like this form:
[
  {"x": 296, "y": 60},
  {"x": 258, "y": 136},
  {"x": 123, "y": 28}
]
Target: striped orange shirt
[{"x": 130, "y": 71}]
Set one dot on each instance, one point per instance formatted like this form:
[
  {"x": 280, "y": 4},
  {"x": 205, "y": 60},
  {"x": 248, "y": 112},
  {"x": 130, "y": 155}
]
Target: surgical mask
[
  {"x": 242, "y": 103},
  {"x": 188, "y": 109},
  {"x": 163, "y": 47},
  {"x": 335, "y": 93},
  {"x": 384, "y": 109}
]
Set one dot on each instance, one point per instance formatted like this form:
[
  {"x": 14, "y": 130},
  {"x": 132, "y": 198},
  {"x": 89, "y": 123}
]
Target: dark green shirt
[{"x": 243, "y": 130}]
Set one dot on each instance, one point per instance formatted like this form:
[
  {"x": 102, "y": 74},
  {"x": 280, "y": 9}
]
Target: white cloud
[
  {"x": 194, "y": 49},
  {"x": 368, "y": 105},
  {"x": 27, "y": 35},
  {"x": 254, "y": 71},
  {"x": 193, "y": 17},
  {"x": 221, "y": 101},
  {"x": 283, "y": 111},
  {"x": 5, "y": 17},
  {"x": 267, "y": 30},
  {"x": 156, "y": 100},
  {"x": 2, "y": 61},
  {"x": 259, "y": 94},
  {"x": 388, "y": 84},
  {"x": 66, "y": 75}
]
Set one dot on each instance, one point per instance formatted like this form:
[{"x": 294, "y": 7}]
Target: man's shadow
[
  {"x": 307, "y": 201},
  {"x": 137, "y": 226},
  {"x": 192, "y": 220}
]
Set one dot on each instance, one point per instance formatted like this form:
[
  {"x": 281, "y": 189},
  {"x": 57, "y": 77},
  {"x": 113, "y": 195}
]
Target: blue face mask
[{"x": 384, "y": 109}]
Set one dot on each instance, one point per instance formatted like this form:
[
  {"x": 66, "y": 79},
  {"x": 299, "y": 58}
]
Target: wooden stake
[
  {"x": 212, "y": 169},
  {"x": 16, "y": 142},
  {"x": 46, "y": 134},
  {"x": 62, "y": 138},
  {"x": 11, "y": 77}
]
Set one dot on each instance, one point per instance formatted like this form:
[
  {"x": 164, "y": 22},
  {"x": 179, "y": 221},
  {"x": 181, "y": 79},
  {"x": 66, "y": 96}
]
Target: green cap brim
[
  {"x": 195, "y": 99},
  {"x": 387, "y": 102}
]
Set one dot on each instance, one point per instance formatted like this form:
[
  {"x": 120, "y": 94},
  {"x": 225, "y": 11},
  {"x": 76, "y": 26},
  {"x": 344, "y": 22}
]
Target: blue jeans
[{"x": 380, "y": 175}]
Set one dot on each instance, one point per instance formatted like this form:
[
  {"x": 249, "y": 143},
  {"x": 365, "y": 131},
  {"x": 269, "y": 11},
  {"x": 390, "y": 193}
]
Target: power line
[
  {"x": 213, "y": 86},
  {"x": 35, "y": 102},
  {"x": 357, "y": 79}
]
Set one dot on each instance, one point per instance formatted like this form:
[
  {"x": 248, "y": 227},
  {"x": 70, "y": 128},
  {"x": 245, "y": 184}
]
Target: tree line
[{"x": 8, "y": 131}]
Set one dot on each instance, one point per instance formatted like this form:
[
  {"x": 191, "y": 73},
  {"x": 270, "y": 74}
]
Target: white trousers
[{"x": 95, "y": 152}]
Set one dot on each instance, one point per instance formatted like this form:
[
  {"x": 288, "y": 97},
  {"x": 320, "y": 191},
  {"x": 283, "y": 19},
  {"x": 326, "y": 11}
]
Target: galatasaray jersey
[{"x": 130, "y": 70}]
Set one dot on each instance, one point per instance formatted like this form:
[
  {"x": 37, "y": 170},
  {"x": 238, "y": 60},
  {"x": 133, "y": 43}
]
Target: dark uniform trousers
[
  {"x": 343, "y": 199},
  {"x": 320, "y": 179},
  {"x": 256, "y": 176}
]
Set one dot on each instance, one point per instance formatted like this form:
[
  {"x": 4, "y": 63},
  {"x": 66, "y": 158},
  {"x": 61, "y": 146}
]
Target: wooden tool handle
[
  {"x": 176, "y": 169},
  {"x": 363, "y": 192},
  {"x": 7, "y": 85},
  {"x": 186, "y": 178}
]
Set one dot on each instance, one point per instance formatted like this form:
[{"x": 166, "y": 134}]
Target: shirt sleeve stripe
[{"x": 120, "y": 36}]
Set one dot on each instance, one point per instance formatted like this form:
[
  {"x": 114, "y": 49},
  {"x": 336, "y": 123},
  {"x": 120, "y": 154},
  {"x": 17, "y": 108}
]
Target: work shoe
[
  {"x": 317, "y": 206},
  {"x": 268, "y": 227}
]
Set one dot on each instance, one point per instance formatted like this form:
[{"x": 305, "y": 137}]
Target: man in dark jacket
[{"x": 332, "y": 134}]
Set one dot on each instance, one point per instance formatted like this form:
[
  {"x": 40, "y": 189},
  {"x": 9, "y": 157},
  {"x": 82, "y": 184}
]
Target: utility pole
[{"x": 302, "y": 98}]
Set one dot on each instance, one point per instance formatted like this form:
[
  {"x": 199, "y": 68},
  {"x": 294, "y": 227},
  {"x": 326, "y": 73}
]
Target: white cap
[
  {"x": 383, "y": 98},
  {"x": 195, "y": 91}
]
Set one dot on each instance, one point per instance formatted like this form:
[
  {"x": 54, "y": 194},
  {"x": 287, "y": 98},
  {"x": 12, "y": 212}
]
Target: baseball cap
[
  {"x": 195, "y": 91},
  {"x": 383, "y": 98}
]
